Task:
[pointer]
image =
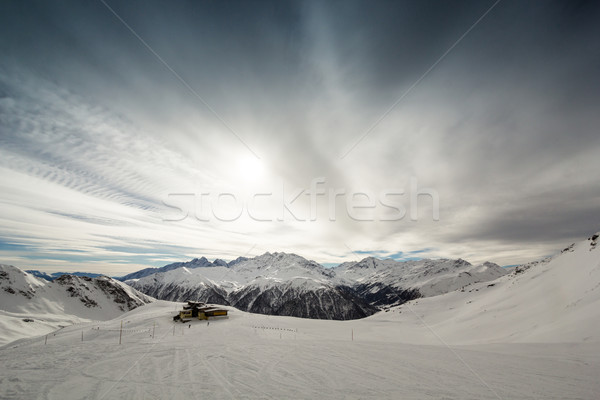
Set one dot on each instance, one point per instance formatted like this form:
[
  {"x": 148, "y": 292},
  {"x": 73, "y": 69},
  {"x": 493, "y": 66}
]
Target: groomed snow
[{"x": 249, "y": 356}]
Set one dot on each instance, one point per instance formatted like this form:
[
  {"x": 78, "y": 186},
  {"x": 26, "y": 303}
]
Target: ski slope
[
  {"x": 556, "y": 300},
  {"x": 250, "y": 356}
]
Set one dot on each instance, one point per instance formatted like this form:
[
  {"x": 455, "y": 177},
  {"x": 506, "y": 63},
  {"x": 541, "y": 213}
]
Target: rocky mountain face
[
  {"x": 159, "y": 288},
  {"x": 303, "y": 298},
  {"x": 287, "y": 284}
]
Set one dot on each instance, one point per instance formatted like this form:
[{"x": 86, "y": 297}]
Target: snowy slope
[
  {"x": 252, "y": 356},
  {"x": 555, "y": 300},
  {"x": 66, "y": 300}
]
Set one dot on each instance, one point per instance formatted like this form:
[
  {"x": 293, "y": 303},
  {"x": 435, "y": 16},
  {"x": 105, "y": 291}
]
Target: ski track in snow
[{"x": 231, "y": 360}]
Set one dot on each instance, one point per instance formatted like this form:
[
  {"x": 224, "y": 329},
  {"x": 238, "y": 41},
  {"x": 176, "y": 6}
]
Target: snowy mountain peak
[
  {"x": 399, "y": 279},
  {"x": 199, "y": 262},
  {"x": 18, "y": 282},
  {"x": 273, "y": 259},
  {"x": 220, "y": 263},
  {"x": 489, "y": 264},
  {"x": 262, "y": 283},
  {"x": 237, "y": 260},
  {"x": 366, "y": 263}
]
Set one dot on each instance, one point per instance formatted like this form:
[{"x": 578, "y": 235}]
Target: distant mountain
[
  {"x": 276, "y": 284},
  {"x": 195, "y": 263},
  {"x": 237, "y": 260},
  {"x": 31, "y": 305},
  {"x": 54, "y": 275},
  {"x": 42, "y": 275},
  {"x": 389, "y": 282},
  {"x": 288, "y": 284}
]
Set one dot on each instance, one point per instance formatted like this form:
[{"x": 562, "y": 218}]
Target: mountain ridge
[{"x": 264, "y": 283}]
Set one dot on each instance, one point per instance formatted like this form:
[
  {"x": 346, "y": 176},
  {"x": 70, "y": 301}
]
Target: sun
[{"x": 251, "y": 168}]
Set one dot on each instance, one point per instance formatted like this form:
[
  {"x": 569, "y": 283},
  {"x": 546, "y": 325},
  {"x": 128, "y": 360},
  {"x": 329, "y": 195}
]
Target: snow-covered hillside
[
  {"x": 555, "y": 300},
  {"x": 252, "y": 356},
  {"x": 288, "y": 284},
  {"x": 30, "y": 306}
]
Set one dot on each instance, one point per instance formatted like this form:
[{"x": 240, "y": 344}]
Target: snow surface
[{"x": 249, "y": 356}]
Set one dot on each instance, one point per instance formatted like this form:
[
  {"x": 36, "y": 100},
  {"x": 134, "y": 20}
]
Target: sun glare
[{"x": 251, "y": 168}]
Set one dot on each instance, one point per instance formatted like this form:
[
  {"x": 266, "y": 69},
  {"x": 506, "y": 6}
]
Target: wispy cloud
[{"x": 95, "y": 133}]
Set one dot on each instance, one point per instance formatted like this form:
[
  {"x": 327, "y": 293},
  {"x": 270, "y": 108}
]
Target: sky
[{"x": 139, "y": 133}]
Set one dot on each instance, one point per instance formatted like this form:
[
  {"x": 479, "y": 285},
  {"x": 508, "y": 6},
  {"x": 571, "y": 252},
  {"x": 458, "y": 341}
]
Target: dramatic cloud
[{"x": 137, "y": 133}]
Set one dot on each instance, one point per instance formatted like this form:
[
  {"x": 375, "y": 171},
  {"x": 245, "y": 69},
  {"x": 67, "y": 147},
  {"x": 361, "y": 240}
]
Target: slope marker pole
[{"x": 121, "y": 332}]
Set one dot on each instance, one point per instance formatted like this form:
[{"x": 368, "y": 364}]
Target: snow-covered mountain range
[
  {"x": 288, "y": 284},
  {"x": 195, "y": 263},
  {"x": 34, "y": 305}
]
